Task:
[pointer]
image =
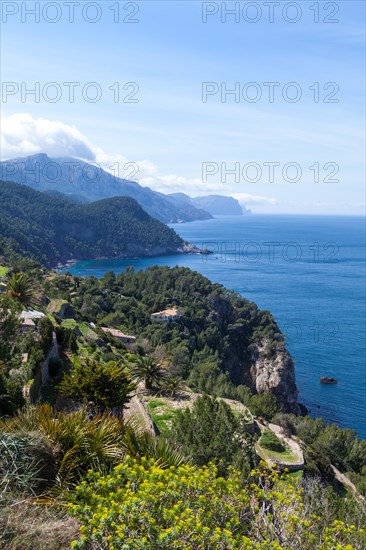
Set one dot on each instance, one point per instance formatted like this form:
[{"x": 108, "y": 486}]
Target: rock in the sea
[{"x": 328, "y": 380}]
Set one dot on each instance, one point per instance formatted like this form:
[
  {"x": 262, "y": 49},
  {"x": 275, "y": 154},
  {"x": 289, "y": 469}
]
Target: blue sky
[{"x": 170, "y": 133}]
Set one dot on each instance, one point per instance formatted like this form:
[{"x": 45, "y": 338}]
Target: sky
[{"x": 144, "y": 88}]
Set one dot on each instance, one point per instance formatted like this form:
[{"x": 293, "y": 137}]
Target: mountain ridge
[{"x": 76, "y": 177}]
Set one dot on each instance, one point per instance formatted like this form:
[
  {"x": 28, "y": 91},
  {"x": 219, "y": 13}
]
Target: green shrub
[
  {"x": 271, "y": 442},
  {"x": 209, "y": 432},
  {"x": 79, "y": 443},
  {"x": 264, "y": 404},
  {"x": 107, "y": 385}
]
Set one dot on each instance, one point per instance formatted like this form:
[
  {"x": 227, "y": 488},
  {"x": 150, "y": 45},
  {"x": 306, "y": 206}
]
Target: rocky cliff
[{"x": 275, "y": 372}]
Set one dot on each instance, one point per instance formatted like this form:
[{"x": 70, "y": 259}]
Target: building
[
  {"x": 170, "y": 314},
  {"x": 27, "y": 318},
  {"x": 125, "y": 338},
  {"x": 27, "y": 325}
]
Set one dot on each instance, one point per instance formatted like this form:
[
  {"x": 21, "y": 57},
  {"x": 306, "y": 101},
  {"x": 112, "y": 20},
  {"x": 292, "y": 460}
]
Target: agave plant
[
  {"x": 26, "y": 463},
  {"x": 147, "y": 369},
  {"x": 24, "y": 290}
]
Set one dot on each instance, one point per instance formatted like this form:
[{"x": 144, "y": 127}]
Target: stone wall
[{"x": 53, "y": 352}]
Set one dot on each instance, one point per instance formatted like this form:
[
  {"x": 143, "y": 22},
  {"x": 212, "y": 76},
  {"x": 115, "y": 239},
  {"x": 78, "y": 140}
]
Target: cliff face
[
  {"x": 276, "y": 373},
  {"x": 254, "y": 349}
]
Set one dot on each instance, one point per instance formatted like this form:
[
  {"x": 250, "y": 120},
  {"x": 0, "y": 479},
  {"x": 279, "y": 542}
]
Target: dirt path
[
  {"x": 347, "y": 482},
  {"x": 337, "y": 474},
  {"x": 289, "y": 442},
  {"x": 294, "y": 446}
]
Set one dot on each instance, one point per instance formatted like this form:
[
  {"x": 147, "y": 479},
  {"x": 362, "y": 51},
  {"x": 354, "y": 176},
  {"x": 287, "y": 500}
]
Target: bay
[{"x": 309, "y": 271}]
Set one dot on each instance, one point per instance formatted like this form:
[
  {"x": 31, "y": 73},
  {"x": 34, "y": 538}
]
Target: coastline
[
  {"x": 188, "y": 248},
  {"x": 318, "y": 294}
]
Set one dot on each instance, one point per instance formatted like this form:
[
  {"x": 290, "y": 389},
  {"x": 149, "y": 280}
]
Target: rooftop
[
  {"x": 117, "y": 333},
  {"x": 28, "y": 323},
  {"x": 31, "y": 314},
  {"x": 169, "y": 311}
]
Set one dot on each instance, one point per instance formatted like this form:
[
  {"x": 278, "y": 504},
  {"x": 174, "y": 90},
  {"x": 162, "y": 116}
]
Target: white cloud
[
  {"x": 22, "y": 135},
  {"x": 247, "y": 199}
]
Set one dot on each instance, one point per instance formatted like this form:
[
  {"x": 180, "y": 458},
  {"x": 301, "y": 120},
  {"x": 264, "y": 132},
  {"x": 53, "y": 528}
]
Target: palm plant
[
  {"x": 138, "y": 443},
  {"x": 171, "y": 385},
  {"x": 147, "y": 369},
  {"x": 22, "y": 289},
  {"x": 79, "y": 443}
]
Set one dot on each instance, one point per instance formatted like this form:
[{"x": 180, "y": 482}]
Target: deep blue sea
[{"x": 309, "y": 271}]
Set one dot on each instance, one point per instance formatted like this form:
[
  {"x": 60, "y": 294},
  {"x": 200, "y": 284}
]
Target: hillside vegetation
[
  {"x": 214, "y": 342},
  {"x": 78, "y": 468},
  {"x": 54, "y": 230}
]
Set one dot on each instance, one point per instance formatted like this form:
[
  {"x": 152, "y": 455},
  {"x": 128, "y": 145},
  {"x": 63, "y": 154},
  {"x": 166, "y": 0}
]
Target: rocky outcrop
[{"x": 273, "y": 370}]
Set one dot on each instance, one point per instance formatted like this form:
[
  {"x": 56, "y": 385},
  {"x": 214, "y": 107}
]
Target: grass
[
  {"x": 294, "y": 476},
  {"x": 87, "y": 332},
  {"x": 162, "y": 414},
  {"x": 55, "y": 304},
  {"x": 155, "y": 404},
  {"x": 52, "y": 319},
  {"x": 239, "y": 410},
  {"x": 26, "y": 526},
  {"x": 69, "y": 323},
  {"x": 280, "y": 457}
]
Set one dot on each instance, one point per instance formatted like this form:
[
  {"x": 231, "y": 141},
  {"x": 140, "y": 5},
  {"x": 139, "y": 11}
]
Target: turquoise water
[{"x": 310, "y": 273}]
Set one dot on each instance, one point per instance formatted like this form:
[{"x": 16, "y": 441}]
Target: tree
[
  {"x": 9, "y": 323},
  {"x": 264, "y": 404},
  {"x": 106, "y": 385},
  {"x": 208, "y": 432},
  {"x": 285, "y": 422},
  {"x": 147, "y": 369},
  {"x": 24, "y": 290}
]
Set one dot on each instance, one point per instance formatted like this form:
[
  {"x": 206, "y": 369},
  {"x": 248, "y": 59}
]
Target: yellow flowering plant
[{"x": 143, "y": 506}]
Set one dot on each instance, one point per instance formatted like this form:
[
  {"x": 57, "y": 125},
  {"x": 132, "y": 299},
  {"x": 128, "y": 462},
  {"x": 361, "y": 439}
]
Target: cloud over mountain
[{"x": 22, "y": 135}]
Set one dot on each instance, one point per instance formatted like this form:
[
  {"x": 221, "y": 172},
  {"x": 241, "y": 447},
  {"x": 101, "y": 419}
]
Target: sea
[{"x": 309, "y": 272}]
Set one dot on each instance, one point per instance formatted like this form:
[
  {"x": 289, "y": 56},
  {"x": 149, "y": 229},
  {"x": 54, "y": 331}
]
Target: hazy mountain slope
[
  {"x": 76, "y": 177},
  {"x": 217, "y": 205}
]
